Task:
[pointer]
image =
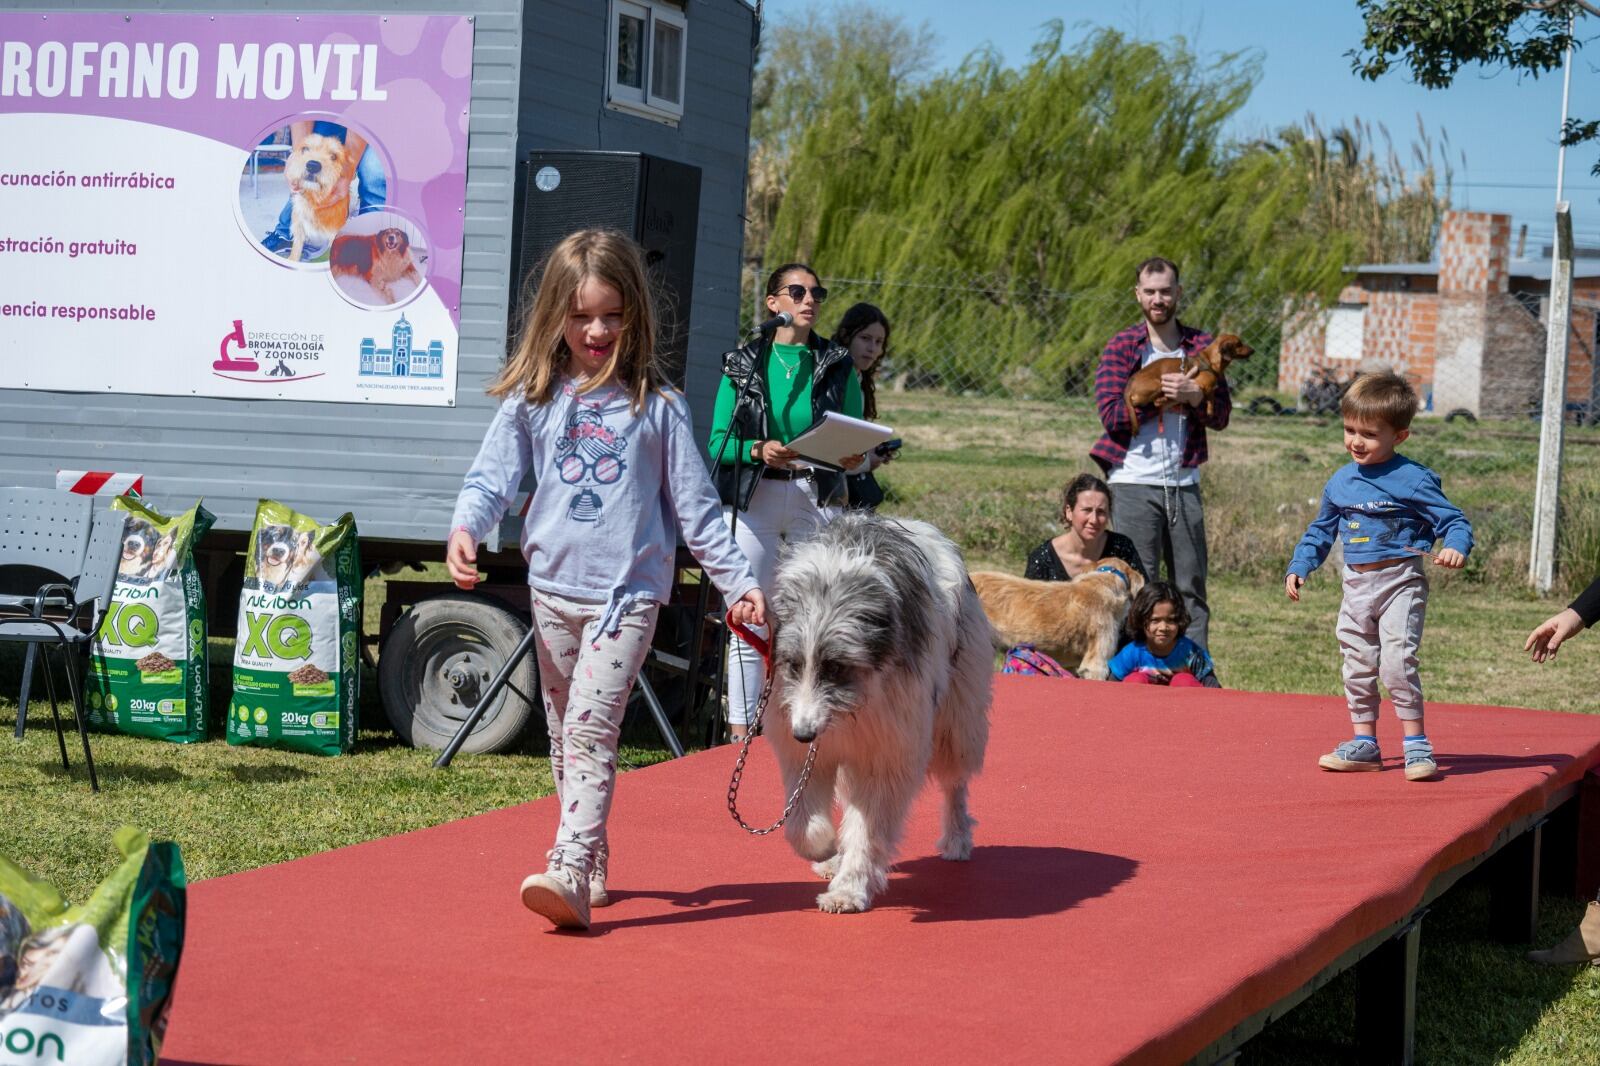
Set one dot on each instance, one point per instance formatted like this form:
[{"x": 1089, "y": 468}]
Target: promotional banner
[{"x": 249, "y": 206}]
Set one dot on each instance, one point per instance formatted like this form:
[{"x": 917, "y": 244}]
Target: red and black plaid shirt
[{"x": 1125, "y": 354}]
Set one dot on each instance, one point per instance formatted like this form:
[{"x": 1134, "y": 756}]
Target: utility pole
[
  {"x": 1547, "y": 489},
  {"x": 1547, "y": 492}
]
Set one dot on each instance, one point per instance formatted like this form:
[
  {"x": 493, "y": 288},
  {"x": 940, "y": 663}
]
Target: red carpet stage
[{"x": 1153, "y": 869}]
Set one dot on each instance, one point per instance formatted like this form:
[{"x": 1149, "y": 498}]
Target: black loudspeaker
[{"x": 653, "y": 200}]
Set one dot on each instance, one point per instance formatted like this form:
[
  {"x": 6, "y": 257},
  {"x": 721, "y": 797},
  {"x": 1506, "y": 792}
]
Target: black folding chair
[{"x": 58, "y": 564}]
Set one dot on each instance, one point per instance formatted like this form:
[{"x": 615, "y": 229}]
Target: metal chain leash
[{"x": 750, "y": 735}]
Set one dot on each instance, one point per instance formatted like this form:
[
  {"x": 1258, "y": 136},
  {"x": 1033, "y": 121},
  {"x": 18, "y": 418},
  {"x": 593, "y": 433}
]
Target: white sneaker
[
  {"x": 597, "y": 878},
  {"x": 561, "y": 894}
]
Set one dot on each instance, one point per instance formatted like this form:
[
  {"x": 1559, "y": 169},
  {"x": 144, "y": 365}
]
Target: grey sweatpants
[
  {"x": 1168, "y": 526},
  {"x": 586, "y": 677},
  {"x": 1380, "y": 630}
]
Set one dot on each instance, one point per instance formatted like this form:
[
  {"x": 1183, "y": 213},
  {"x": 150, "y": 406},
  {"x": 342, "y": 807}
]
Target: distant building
[
  {"x": 400, "y": 359},
  {"x": 1468, "y": 328}
]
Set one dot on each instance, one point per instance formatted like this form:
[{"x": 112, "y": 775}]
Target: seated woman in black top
[{"x": 1086, "y": 512}]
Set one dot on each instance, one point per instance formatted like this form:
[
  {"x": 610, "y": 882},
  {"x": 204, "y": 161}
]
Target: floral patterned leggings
[{"x": 586, "y": 678}]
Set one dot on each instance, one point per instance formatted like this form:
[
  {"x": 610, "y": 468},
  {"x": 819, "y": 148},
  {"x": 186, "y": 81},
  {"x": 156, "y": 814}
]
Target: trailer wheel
[{"x": 441, "y": 654}]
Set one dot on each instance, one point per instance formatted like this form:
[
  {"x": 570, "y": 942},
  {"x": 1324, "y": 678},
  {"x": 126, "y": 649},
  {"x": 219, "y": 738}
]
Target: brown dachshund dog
[{"x": 1144, "y": 387}]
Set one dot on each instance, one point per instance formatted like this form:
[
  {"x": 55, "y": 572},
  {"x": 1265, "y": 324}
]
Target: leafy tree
[
  {"x": 1019, "y": 200},
  {"x": 1434, "y": 39},
  {"x": 799, "y": 59},
  {"x": 1392, "y": 210}
]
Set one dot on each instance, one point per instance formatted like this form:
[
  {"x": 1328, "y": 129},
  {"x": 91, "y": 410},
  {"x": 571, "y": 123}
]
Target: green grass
[
  {"x": 235, "y": 808},
  {"x": 989, "y": 472}
]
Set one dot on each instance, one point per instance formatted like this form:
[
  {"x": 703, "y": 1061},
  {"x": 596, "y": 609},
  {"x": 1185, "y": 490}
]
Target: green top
[{"x": 789, "y": 413}]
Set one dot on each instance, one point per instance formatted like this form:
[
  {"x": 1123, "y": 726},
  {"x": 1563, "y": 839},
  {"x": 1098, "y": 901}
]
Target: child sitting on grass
[
  {"x": 1159, "y": 653},
  {"x": 1387, "y": 510}
]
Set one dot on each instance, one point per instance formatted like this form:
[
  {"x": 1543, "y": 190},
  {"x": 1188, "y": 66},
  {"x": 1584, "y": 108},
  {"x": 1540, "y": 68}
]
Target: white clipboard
[{"x": 834, "y": 436}]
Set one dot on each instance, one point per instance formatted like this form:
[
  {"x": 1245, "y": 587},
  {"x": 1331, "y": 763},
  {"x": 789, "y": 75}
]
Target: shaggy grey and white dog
[{"x": 884, "y": 658}]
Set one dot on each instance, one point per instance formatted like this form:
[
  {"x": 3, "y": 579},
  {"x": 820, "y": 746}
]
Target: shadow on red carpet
[{"x": 1000, "y": 882}]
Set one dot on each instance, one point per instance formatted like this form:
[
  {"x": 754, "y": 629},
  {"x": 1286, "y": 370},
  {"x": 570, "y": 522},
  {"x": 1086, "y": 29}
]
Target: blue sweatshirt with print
[
  {"x": 1379, "y": 511},
  {"x": 612, "y": 483},
  {"x": 1185, "y": 657}
]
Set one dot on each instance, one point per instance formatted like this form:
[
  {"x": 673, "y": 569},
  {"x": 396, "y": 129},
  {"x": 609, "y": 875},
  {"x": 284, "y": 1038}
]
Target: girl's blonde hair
[{"x": 541, "y": 354}]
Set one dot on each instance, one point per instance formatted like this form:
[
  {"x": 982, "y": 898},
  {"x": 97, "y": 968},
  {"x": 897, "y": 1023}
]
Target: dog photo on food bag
[
  {"x": 883, "y": 659},
  {"x": 319, "y": 204},
  {"x": 281, "y": 556},
  {"x": 145, "y": 552}
]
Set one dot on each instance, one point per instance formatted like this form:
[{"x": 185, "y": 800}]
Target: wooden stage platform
[{"x": 1158, "y": 875}]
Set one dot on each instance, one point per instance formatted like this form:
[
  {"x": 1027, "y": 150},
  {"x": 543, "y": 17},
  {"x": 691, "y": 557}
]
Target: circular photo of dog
[
  {"x": 303, "y": 182},
  {"x": 379, "y": 259}
]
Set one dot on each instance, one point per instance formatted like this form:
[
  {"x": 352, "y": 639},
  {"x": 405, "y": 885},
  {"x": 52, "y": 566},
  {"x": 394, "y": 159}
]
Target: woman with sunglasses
[{"x": 771, "y": 392}]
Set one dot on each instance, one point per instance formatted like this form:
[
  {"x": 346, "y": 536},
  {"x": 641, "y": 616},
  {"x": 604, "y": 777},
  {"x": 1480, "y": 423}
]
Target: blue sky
[{"x": 1506, "y": 127}]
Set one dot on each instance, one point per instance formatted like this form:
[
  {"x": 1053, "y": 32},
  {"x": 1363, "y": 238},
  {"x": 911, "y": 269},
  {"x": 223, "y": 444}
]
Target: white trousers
[
  {"x": 780, "y": 512},
  {"x": 1380, "y": 632}
]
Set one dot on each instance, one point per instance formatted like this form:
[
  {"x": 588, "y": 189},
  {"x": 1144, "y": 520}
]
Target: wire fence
[
  {"x": 1475, "y": 359},
  {"x": 1471, "y": 355}
]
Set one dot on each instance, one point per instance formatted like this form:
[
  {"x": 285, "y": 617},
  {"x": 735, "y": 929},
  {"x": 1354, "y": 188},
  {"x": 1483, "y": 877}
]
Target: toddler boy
[{"x": 1387, "y": 511}]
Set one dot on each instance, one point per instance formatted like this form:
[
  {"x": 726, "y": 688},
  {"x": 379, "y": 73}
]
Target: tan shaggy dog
[
  {"x": 1076, "y": 622},
  {"x": 319, "y": 204},
  {"x": 1144, "y": 386}
]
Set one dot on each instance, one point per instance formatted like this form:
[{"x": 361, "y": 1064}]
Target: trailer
[{"x": 172, "y": 312}]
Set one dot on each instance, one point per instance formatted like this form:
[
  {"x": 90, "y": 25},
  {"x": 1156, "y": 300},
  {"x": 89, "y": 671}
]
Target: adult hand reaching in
[{"x": 1549, "y": 635}]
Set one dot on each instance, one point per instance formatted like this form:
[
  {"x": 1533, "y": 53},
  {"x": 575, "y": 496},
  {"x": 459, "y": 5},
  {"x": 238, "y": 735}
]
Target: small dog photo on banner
[
  {"x": 376, "y": 258},
  {"x": 304, "y": 181}
]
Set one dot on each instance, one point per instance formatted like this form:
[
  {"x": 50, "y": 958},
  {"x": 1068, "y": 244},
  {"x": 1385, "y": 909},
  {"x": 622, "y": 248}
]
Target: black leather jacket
[{"x": 830, "y": 375}]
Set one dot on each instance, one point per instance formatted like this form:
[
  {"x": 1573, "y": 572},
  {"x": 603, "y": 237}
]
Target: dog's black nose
[
  {"x": 312, "y": 166},
  {"x": 804, "y": 737}
]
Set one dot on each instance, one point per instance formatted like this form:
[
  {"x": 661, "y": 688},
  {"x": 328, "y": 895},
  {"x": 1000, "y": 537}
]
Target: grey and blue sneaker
[
  {"x": 598, "y": 896},
  {"x": 1419, "y": 760},
  {"x": 1357, "y": 753}
]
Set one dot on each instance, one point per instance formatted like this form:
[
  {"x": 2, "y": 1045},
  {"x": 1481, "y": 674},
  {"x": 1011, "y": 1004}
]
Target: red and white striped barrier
[{"x": 99, "y": 482}]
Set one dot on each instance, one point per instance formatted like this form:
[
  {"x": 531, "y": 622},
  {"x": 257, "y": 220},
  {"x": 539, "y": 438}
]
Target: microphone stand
[
  {"x": 763, "y": 353},
  {"x": 763, "y": 350}
]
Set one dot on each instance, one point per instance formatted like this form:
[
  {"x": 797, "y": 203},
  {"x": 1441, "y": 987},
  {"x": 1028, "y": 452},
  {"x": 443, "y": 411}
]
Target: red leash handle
[{"x": 754, "y": 639}]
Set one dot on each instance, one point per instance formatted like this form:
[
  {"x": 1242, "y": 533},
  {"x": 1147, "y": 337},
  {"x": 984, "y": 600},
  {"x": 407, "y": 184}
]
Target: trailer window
[
  {"x": 630, "y": 51},
  {"x": 649, "y": 39}
]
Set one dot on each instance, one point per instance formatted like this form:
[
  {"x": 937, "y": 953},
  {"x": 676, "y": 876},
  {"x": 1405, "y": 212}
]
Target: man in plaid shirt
[{"x": 1155, "y": 473}]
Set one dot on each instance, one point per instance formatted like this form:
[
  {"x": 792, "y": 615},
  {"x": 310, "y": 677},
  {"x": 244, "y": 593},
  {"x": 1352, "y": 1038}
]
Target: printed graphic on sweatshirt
[
  {"x": 1380, "y": 522},
  {"x": 589, "y": 453}
]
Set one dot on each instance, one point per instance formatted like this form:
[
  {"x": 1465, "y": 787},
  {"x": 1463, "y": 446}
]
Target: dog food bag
[
  {"x": 147, "y": 673},
  {"x": 91, "y": 985},
  {"x": 295, "y": 668}
]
